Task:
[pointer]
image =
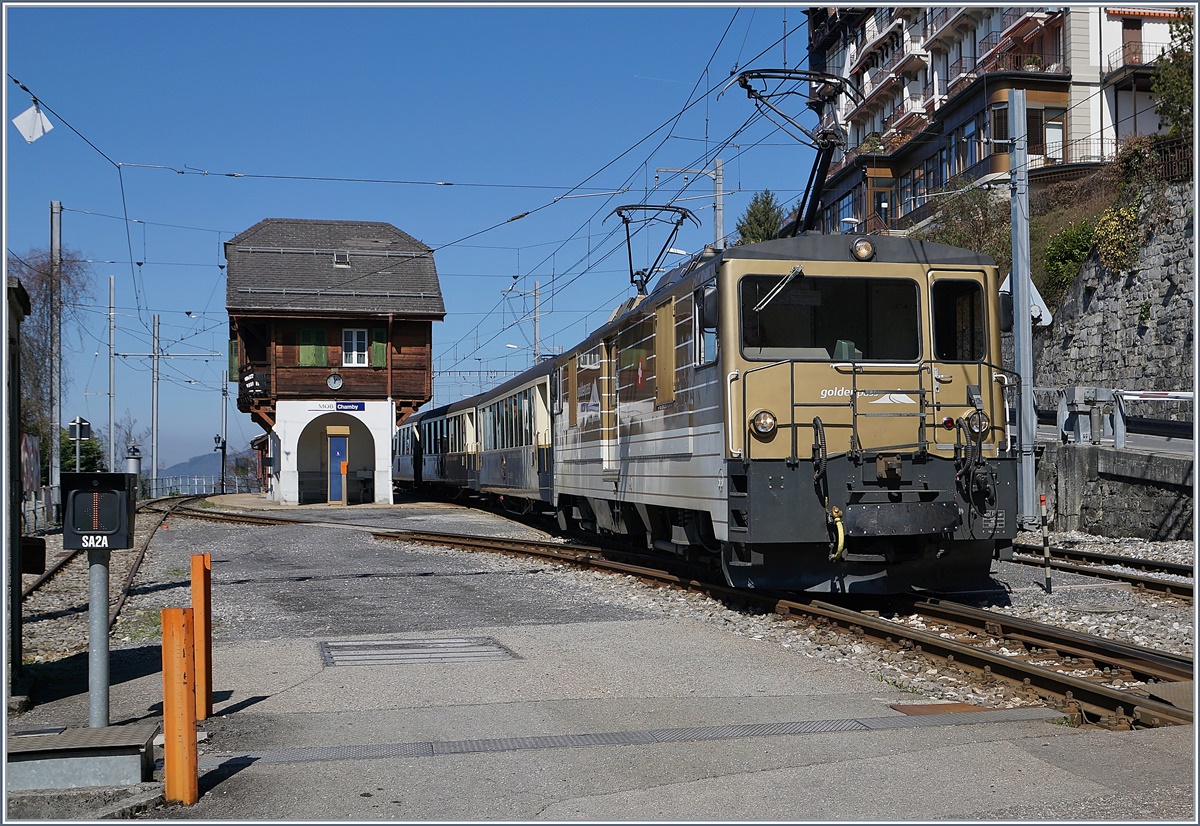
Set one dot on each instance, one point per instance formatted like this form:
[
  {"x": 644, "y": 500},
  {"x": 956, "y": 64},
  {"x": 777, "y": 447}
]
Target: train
[{"x": 816, "y": 413}]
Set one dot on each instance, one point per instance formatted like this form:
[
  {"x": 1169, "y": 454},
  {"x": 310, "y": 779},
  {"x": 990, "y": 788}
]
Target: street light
[{"x": 221, "y": 447}]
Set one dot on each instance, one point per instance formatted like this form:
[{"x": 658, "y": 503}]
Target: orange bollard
[
  {"x": 202, "y": 632},
  {"x": 180, "y": 763}
]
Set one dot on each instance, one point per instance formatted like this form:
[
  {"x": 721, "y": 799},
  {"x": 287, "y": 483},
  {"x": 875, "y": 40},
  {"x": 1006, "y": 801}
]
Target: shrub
[
  {"x": 1064, "y": 254},
  {"x": 1118, "y": 237}
]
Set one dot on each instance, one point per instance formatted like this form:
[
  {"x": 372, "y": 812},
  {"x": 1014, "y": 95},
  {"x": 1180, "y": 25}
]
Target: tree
[
  {"x": 1172, "y": 86},
  {"x": 91, "y": 454},
  {"x": 34, "y": 271},
  {"x": 975, "y": 219},
  {"x": 761, "y": 220},
  {"x": 125, "y": 434}
]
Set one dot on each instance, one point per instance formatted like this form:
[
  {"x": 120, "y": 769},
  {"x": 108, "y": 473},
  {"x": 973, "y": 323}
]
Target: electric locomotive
[{"x": 816, "y": 413}]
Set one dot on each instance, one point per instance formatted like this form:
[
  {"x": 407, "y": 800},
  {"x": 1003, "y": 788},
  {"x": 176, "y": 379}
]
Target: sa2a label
[{"x": 94, "y": 541}]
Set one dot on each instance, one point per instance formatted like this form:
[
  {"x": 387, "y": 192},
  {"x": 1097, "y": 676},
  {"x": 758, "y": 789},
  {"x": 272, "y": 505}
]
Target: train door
[
  {"x": 609, "y": 431},
  {"x": 962, "y": 379}
]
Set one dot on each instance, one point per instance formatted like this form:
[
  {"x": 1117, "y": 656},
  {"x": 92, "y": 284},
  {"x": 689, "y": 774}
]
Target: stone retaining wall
[
  {"x": 1115, "y": 492},
  {"x": 1130, "y": 330}
]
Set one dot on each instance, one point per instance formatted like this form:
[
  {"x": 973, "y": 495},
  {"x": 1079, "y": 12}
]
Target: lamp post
[{"x": 221, "y": 447}]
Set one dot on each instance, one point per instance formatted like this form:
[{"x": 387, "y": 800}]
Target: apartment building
[{"x": 934, "y": 87}]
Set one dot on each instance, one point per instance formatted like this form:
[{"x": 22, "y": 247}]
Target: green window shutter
[
  {"x": 312, "y": 347},
  {"x": 234, "y": 364},
  {"x": 379, "y": 347}
]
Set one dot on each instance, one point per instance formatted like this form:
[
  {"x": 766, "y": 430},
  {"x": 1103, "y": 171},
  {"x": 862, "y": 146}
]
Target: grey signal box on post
[{"x": 98, "y": 510}]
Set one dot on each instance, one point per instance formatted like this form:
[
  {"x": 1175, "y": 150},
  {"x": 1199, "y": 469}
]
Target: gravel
[{"x": 56, "y": 617}]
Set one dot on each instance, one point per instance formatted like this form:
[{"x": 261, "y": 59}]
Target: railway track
[
  {"x": 1096, "y": 681},
  {"x": 1142, "y": 574},
  {"x": 123, "y": 563},
  {"x": 1086, "y": 677}
]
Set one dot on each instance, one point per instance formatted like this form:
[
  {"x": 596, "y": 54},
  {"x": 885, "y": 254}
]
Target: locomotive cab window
[
  {"x": 817, "y": 318},
  {"x": 958, "y": 320}
]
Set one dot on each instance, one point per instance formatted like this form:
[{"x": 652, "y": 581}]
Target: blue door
[{"x": 337, "y": 456}]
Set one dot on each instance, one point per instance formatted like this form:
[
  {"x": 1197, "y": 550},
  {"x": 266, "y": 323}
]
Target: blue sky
[{"x": 360, "y": 113}]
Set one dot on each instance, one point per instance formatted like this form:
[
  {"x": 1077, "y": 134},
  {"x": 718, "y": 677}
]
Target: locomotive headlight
[
  {"x": 763, "y": 422},
  {"x": 978, "y": 423},
  {"x": 863, "y": 249}
]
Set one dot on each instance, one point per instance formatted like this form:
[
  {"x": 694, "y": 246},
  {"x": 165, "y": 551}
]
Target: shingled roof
[{"x": 291, "y": 266}]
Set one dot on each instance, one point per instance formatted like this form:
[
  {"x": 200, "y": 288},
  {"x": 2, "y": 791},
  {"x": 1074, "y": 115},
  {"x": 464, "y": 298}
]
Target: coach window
[
  {"x": 706, "y": 325},
  {"x": 958, "y": 320},
  {"x": 569, "y": 391}
]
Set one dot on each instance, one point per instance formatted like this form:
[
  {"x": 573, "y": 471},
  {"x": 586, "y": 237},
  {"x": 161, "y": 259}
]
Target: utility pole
[
  {"x": 225, "y": 423},
  {"x": 1027, "y": 500},
  {"x": 55, "y": 347},
  {"x": 537, "y": 315},
  {"x": 154, "y": 411},
  {"x": 717, "y": 173},
  {"x": 112, "y": 371},
  {"x": 537, "y": 321},
  {"x": 155, "y": 355}
]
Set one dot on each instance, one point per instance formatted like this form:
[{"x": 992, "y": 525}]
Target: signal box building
[{"x": 330, "y": 326}]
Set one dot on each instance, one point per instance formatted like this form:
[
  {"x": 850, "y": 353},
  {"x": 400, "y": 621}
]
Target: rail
[{"x": 39, "y": 508}]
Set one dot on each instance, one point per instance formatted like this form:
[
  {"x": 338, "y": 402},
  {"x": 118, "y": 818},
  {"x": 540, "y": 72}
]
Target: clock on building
[{"x": 334, "y": 381}]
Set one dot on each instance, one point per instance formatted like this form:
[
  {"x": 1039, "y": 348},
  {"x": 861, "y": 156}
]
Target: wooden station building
[{"x": 330, "y": 327}]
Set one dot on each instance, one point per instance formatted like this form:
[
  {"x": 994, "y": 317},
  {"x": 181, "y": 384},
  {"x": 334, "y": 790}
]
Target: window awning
[{"x": 1161, "y": 13}]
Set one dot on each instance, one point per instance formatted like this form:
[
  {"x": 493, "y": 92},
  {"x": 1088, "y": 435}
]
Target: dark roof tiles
[{"x": 287, "y": 265}]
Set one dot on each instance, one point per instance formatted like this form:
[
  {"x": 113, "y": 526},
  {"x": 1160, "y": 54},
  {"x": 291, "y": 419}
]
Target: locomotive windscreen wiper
[{"x": 778, "y": 288}]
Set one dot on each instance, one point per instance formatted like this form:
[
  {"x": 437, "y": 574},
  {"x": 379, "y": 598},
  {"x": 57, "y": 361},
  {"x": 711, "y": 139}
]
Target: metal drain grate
[{"x": 405, "y": 652}]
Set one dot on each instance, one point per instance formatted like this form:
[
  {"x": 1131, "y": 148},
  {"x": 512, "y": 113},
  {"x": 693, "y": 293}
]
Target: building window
[
  {"x": 341, "y": 259},
  {"x": 999, "y": 126},
  {"x": 354, "y": 348}
]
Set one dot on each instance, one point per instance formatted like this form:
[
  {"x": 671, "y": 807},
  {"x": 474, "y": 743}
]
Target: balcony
[
  {"x": 908, "y": 119},
  {"x": 911, "y": 62},
  {"x": 1021, "y": 62},
  {"x": 942, "y": 24},
  {"x": 1136, "y": 54},
  {"x": 876, "y": 35},
  {"x": 962, "y": 73},
  {"x": 1018, "y": 23},
  {"x": 873, "y": 96}
]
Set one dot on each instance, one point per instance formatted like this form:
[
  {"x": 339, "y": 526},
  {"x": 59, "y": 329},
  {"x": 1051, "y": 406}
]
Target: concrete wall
[{"x": 1103, "y": 490}]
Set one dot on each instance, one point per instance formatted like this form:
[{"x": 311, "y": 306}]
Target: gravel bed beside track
[{"x": 56, "y": 628}]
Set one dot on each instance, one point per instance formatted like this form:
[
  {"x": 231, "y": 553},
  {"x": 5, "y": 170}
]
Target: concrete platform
[{"x": 357, "y": 680}]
